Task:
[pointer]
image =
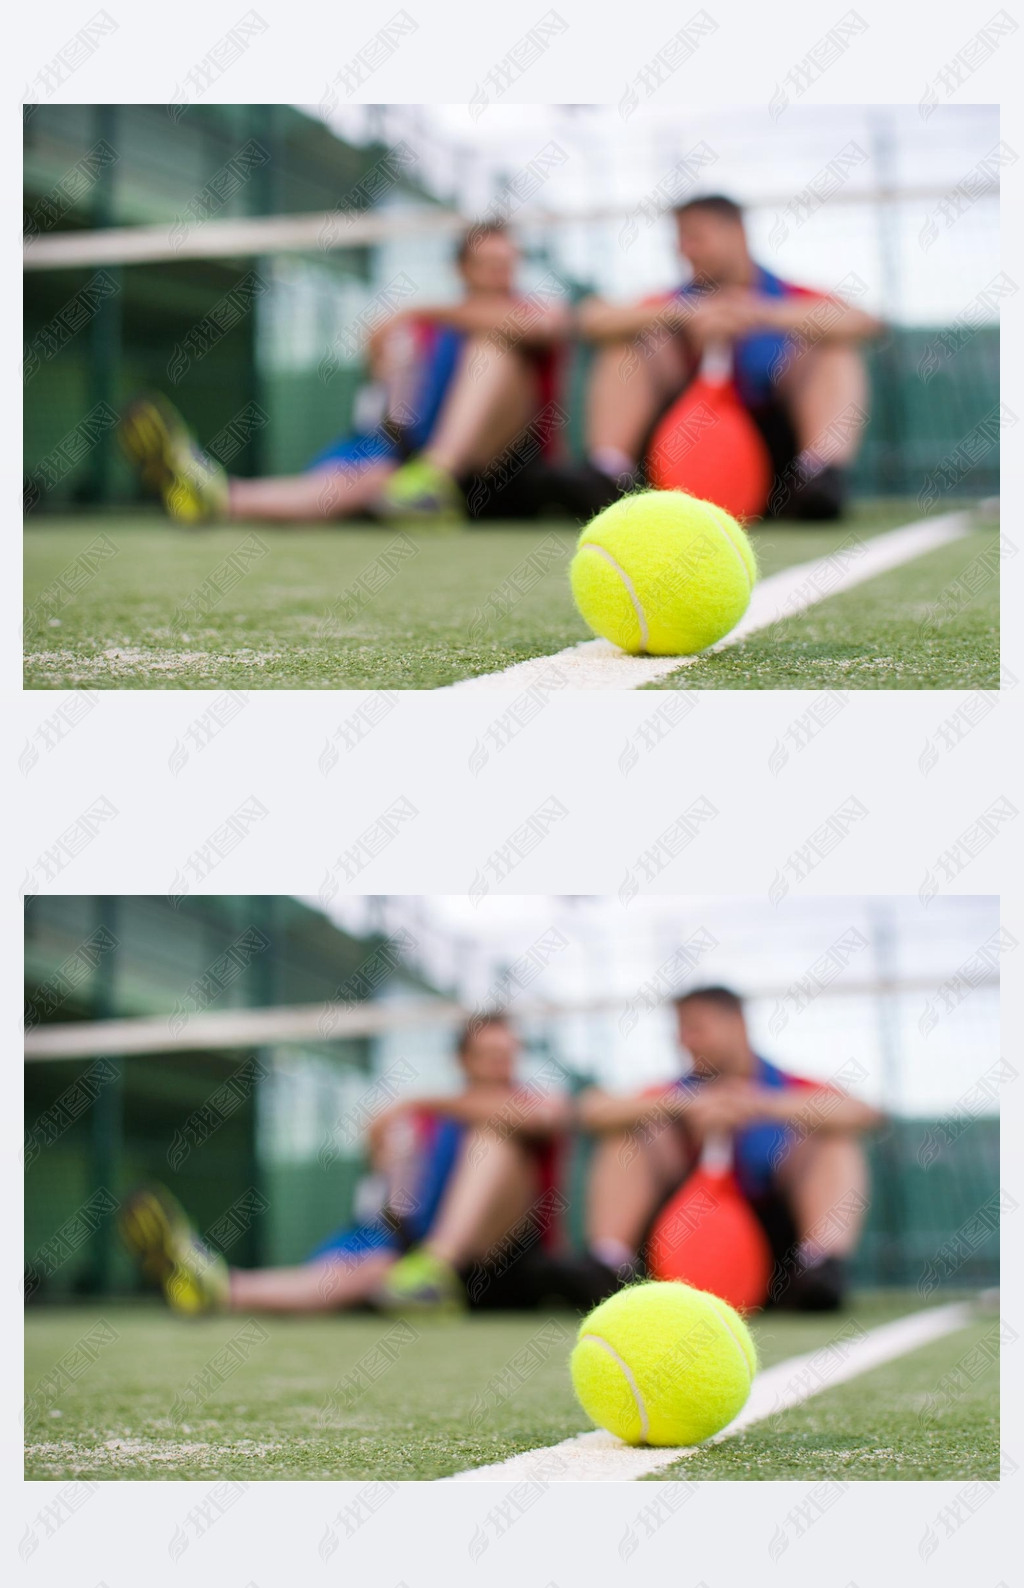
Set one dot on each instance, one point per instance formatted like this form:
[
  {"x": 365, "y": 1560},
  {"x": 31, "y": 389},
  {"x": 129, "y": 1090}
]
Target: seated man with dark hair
[
  {"x": 468, "y": 399},
  {"x": 795, "y": 1145},
  {"x": 470, "y": 1210},
  {"x": 795, "y": 354}
]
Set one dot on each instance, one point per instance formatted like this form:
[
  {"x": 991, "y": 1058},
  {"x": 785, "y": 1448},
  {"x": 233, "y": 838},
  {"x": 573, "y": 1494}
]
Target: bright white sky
[
  {"x": 910, "y": 1059},
  {"x": 924, "y": 268}
]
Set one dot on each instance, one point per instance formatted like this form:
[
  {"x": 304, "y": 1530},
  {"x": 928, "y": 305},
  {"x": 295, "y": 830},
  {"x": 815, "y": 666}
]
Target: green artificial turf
[
  {"x": 129, "y": 1391},
  {"x": 930, "y": 624},
  {"x": 313, "y": 609},
  {"x": 401, "y": 1410},
  {"x": 885, "y": 1424},
  {"x": 132, "y": 603}
]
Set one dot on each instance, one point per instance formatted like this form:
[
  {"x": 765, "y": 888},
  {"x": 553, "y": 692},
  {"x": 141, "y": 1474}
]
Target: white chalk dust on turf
[
  {"x": 61, "y": 1456},
  {"x": 597, "y": 664},
  {"x": 126, "y": 661},
  {"x": 600, "y": 1456}
]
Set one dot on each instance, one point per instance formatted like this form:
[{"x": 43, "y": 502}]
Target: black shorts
[
  {"x": 516, "y": 1285},
  {"x": 776, "y": 427},
  {"x": 775, "y": 1217},
  {"x": 513, "y": 490}
]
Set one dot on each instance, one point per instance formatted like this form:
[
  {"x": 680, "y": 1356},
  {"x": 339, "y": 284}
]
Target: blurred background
[
  {"x": 235, "y": 1048},
  {"x": 234, "y": 257}
]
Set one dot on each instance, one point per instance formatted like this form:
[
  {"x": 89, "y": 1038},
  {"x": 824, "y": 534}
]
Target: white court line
[
  {"x": 600, "y": 1456},
  {"x": 597, "y": 664}
]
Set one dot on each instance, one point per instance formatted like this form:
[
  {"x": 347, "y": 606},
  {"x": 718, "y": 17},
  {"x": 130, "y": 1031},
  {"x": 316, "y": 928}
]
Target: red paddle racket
[
  {"x": 708, "y": 445},
  {"x": 708, "y": 1236}
]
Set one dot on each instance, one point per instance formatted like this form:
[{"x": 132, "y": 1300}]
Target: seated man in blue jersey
[
  {"x": 795, "y": 1144},
  {"x": 469, "y": 1214},
  {"x": 467, "y": 397},
  {"x": 797, "y": 363}
]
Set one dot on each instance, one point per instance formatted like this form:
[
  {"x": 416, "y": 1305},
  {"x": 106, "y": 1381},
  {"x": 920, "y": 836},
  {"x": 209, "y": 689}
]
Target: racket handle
[
  {"x": 716, "y": 363},
  {"x": 716, "y": 1154}
]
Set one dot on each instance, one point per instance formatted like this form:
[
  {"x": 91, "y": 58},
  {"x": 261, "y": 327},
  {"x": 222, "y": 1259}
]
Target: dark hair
[
  {"x": 721, "y": 997},
  {"x": 472, "y": 235},
  {"x": 477, "y": 1023},
  {"x": 726, "y": 209}
]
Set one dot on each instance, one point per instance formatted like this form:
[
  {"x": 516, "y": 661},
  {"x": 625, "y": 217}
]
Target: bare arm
[
  {"x": 716, "y": 1106},
  {"x": 727, "y": 1105},
  {"x": 600, "y": 321},
  {"x": 514, "y": 1113},
  {"x": 818, "y": 1108},
  {"x": 531, "y": 1113},
  {"x": 725, "y": 315},
  {"x": 820, "y": 319},
  {"x": 599, "y": 1111},
  {"x": 530, "y": 321}
]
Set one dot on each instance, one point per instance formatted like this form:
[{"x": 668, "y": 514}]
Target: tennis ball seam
[
  {"x": 734, "y": 1337},
  {"x": 630, "y": 588},
  {"x": 728, "y": 535},
  {"x": 627, "y": 1374}
]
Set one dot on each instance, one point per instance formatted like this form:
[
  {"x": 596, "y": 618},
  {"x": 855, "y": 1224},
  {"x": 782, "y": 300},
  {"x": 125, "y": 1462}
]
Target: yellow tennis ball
[
  {"x": 663, "y": 1364},
  {"x": 663, "y": 573}
]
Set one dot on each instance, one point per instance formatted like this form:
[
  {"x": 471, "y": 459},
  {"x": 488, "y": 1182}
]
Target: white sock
[
  {"x": 809, "y": 463},
  {"x": 810, "y": 1253},
  {"x": 613, "y": 1254},
  {"x": 612, "y": 462}
]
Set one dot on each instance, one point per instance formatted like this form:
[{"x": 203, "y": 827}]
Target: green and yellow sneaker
[
  {"x": 156, "y": 438},
  {"x": 420, "y": 489},
  {"x": 157, "y": 1229},
  {"x": 420, "y": 1282}
]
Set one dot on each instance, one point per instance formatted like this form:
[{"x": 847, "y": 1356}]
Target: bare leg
[
  {"x": 490, "y": 1190},
  {"x": 825, "y": 1177},
  {"x": 313, "y": 1287},
  {"x": 629, "y": 383},
  {"x": 321, "y": 495},
  {"x": 826, "y": 389},
  {"x": 628, "y": 1177},
  {"x": 491, "y": 400}
]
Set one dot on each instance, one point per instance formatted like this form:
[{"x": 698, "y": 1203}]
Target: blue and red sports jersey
[
  {"x": 755, "y": 357},
  {"x": 759, "y": 1147},
  {"x": 438, "y": 1140},
  {"x": 438, "y": 348},
  {"x": 437, "y": 356}
]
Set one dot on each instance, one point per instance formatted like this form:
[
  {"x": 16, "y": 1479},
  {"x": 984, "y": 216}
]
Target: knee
[
  {"x": 848, "y": 366},
  {"x": 839, "y": 1139},
  {"x": 495, "y": 1145},
  {"x": 839, "y": 360},
  {"x": 843, "y": 1151},
  {"x": 618, "y": 359},
  {"x": 490, "y": 1135},
  {"x": 621, "y": 1149},
  {"x": 614, "y": 347},
  {"x": 834, "y": 1147},
  {"x": 498, "y": 346},
  {"x": 834, "y": 360}
]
